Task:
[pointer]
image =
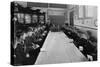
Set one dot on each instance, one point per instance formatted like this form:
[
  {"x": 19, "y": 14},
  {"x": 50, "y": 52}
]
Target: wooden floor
[{"x": 58, "y": 49}]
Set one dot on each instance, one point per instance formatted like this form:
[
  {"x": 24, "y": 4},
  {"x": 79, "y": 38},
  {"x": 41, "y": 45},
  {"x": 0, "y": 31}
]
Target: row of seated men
[
  {"x": 28, "y": 43},
  {"x": 82, "y": 42},
  {"x": 55, "y": 28}
]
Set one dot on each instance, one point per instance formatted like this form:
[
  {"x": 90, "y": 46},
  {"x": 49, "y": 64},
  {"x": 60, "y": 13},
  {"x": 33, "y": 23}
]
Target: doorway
[{"x": 72, "y": 18}]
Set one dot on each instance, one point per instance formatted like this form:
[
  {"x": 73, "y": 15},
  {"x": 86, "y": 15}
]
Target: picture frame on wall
[{"x": 50, "y": 33}]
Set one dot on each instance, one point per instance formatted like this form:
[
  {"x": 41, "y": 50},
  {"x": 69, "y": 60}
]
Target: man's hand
[{"x": 90, "y": 57}]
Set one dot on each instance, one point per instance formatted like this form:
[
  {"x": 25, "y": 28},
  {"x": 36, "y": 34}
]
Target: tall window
[
  {"x": 91, "y": 11},
  {"x": 81, "y": 11}
]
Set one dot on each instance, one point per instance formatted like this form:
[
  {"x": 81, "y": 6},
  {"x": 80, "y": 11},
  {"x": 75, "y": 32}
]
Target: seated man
[
  {"x": 85, "y": 47},
  {"x": 30, "y": 48}
]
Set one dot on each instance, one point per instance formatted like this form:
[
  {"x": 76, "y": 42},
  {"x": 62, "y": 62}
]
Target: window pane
[
  {"x": 81, "y": 12},
  {"x": 91, "y": 11}
]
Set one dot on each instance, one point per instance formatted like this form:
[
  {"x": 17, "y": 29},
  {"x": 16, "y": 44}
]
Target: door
[
  {"x": 57, "y": 19},
  {"x": 72, "y": 18}
]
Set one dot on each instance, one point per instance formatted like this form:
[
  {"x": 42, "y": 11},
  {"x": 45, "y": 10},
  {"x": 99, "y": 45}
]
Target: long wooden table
[{"x": 57, "y": 48}]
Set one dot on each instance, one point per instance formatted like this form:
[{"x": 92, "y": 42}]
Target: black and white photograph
[{"x": 53, "y": 33}]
